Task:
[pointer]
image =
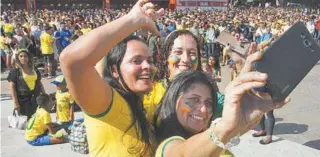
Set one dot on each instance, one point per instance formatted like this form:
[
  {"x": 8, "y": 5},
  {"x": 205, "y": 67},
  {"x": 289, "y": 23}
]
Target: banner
[{"x": 205, "y": 4}]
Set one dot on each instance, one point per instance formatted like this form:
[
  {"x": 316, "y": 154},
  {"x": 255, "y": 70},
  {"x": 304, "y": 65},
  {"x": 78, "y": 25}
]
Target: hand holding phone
[{"x": 288, "y": 60}]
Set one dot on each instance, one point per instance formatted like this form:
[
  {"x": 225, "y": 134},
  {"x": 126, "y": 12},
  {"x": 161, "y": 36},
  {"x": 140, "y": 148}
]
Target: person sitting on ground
[
  {"x": 65, "y": 102},
  {"x": 40, "y": 124}
]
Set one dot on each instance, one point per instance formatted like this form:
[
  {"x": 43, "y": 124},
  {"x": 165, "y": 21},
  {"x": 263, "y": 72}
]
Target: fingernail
[{"x": 262, "y": 75}]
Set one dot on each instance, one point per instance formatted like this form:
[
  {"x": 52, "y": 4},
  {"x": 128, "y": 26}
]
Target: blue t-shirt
[
  {"x": 64, "y": 34},
  {"x": 171, "y": 28}
]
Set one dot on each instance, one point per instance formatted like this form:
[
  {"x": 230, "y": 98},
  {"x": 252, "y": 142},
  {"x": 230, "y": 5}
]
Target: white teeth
[
  {"x": 197, "y": 117},
  {"x": 144, "y": 77}
]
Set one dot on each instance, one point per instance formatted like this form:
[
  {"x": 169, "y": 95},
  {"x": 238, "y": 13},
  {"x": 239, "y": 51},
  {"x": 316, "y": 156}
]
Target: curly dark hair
[{"x": 162, "y": 63}]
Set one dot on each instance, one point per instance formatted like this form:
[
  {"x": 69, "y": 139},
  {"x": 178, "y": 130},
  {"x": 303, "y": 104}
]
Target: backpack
[{"x": 78, "y": 138}]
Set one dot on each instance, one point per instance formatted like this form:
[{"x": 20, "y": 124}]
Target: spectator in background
[
  {"x": 25, "y": 84},
  {"x": 195, "y": 30},
  {"x": 40, "y": 125},
  {"x": 171, "y": 26},
  {"x": 210, "y": 40},
  {"x": 153, "y": 43},
  {"x": 65, "y": 35},
  {"x": 47, "y": 49}
]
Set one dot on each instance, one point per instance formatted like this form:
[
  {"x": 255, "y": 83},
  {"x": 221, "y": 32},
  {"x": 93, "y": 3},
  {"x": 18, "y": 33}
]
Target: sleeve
[
  {"x": 47, "y": 118},
  {"x": 162, "y": 146},
  {"x": 13, "y": 76}
]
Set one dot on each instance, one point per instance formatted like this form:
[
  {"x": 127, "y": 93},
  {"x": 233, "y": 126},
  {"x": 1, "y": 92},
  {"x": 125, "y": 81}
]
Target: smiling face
[
  {"x": 183, "y": 55},
  {"x": 136, "y": 67},
  {"x": 212, "y": 61},
  {"x": 194, "y": 108}
]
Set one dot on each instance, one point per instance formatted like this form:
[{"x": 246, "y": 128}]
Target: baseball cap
[{"x": 59, "y": 80}]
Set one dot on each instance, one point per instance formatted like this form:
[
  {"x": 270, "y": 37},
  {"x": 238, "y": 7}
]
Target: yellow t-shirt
[
  {"x": 179, "y": 27},
  {"x": 2, "y": 43},
  {"x": 8, "y": 28},
  {"x": 152, "y": 99},
  {"x": 64, "y": 102},
  {"x": 85, "y": 30},
  {"x": 37, "y": 124},
  {"x": 107, "y": 135},
  {"x": 30, "y": 80},
  {"x": 162, "y": 146},
  {"x": 46, "y": 43}
]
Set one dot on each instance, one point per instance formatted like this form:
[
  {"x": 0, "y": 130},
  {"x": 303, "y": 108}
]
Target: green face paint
[
  {"x": 173, "y": 59},
  {"x": 194, "y": 63},
  {"x": 194, "y": 60}
]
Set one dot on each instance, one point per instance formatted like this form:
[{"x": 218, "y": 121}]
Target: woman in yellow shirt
[
  {"x": 115, "y": 121},
  {"x": 25, "y": 84},
  {"x": 180, "y": 52}
]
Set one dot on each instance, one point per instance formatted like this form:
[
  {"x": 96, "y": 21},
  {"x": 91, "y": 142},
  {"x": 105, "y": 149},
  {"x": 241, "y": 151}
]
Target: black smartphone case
[{"x": 288, "y": 60}]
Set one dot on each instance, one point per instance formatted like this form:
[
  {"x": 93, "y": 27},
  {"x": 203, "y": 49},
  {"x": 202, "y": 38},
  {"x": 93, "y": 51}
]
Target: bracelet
[{"x": 213, "y": 136}]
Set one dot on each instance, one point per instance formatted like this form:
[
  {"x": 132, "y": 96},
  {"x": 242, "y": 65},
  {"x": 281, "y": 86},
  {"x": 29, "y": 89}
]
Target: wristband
[{"x": 213, "y": 136}]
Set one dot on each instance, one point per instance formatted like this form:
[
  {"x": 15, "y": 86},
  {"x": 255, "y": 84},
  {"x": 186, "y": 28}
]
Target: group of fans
[{"x": 30, "y": 40}]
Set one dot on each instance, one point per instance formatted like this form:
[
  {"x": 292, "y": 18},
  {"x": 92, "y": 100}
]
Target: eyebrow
[
  {"x": 200, "y": 97},
  {"x": 180, "y": 48}
]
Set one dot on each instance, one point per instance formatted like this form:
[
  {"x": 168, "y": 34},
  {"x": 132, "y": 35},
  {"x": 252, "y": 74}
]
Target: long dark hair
[
  {"x": 166, "y": 112},
  {"x": 165, "y": 52},
  {"x": 139, "y": 120}
]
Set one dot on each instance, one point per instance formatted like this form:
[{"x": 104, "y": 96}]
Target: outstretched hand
[
  {"x": 242, "y": 108},
  {"x": 144, "y": 11}
]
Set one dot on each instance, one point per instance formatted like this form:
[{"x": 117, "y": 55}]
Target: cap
[{"x": 59, "y": 80}]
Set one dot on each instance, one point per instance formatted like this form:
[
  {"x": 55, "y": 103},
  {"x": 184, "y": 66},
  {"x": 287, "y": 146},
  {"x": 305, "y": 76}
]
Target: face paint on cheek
[
  {"x": 187, "y": 107},
  {"x": 173, "y": 59},
  {"x": 194, "y": 62}
]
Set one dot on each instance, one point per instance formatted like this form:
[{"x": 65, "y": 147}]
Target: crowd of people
[{"x": 145, "y": 78}]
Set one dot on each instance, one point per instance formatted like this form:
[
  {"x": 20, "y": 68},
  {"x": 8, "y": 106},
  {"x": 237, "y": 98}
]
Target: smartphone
[{"x": 288, "y": 60}]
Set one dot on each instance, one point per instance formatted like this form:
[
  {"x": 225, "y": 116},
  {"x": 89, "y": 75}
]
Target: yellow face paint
[
  {"x": 173, "y": 59},
  {"x": 187, "y": 107},
  {"x": 194, "y": 62}
]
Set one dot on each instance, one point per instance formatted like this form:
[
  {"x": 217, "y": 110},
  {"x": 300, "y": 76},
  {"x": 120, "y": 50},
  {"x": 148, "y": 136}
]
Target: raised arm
[
  {"x": 242, "y": 111},
  {"x": 78, "y": 60}
]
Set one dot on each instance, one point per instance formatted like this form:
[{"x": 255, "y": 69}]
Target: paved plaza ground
[{"x": 296, "y": 131}]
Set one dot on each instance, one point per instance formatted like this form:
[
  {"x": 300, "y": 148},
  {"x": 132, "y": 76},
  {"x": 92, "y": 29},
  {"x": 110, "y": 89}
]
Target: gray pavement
[{"x": 296, "y": 131}]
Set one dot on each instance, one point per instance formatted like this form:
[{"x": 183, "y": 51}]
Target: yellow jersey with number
[
  {"x": 108, "y": 134},
  {"x": 64, "y": 102},
  {"x": 152, "y": 99},
  {"x": 37, "y": 124}
]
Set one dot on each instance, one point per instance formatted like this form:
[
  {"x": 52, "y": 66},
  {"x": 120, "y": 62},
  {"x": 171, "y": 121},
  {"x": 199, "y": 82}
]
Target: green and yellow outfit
[
  {"x": 107, "y": 132},
  {"x": 162, "y": 146}
]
